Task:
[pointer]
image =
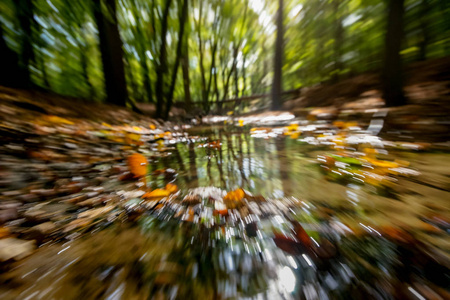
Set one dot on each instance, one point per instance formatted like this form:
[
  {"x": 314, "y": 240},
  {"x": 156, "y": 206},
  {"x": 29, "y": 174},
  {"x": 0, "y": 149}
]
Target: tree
[
  {"x": 141, "y": 49},
  {"x": 24, "y": 11},
  {"x": 161, "y": 68},
  {"x": 183, "y": 17},
  {"x": 111, "y": 51},
  {"x": 186, "y": 79},
  {"x": 392, "y": 69},
  {"x": 16, "y": 75},
  {"x": 278, "y": 61}
]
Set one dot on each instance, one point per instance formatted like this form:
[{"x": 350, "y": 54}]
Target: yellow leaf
[
  {"x": 135, "y": 128},
  {"x": 152, "y": 127},
  {"x": 292, "y": 127},
  {"x": 382, "y": 163},
  {"x": 241, "y": 123},
  {"x": 133, "y": 137},
  {"x": 402, "y": 163},
  {"x": 137, "y": 164},
  {"x": 370, "y": 151},
  {"x": 56, "y": 119},
  {"x": 295, "y": 135},
  {"x": 229, "y": 113}
]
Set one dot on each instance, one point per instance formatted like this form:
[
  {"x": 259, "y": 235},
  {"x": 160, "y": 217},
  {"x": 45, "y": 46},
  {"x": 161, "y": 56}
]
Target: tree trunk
[
  {"x": 111, "y": 52},
  {"x": 392, "y": 71},
  {"x": 145, "y": 73},
  {"x": 213, "y": 67},
  {"x": 227, "y": 82},
  {"x": 338, "y": 40},
  {"x": 44, "y": 71},
  {"x": 216, "y": 87},
  {"x": 278, "y": 62},
  {"x": 202, "y": 68},
  {"x": 236, "y": 80},
  {"x": 183, "y": 17},
  {"x": 84, "y": 66},
  {"x": 424, "y": 10},
  {"x": 161, "y": 68},
  {"x": 244, "y": 76},
  {"x": 13, "y": 74},
  {"x": 186, "y": 81},
  {"x": 24, "y": 10}
]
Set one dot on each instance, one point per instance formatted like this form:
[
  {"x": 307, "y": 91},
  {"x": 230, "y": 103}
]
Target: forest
[
  {"x": 195, "y": 54},
  {"x": 225, "y": 149}
]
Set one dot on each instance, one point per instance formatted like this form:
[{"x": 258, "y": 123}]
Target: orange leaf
[
  {"x": 171, "y": 188},
  {"x": 156, "y": 194},
  {"x": 234, "y": 198},
  {"x": 137, "y": 164},
  {"x": 236, "y": 195}
]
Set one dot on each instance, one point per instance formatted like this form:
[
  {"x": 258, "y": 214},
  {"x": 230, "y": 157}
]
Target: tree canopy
[{"x": 200, "y": 52}]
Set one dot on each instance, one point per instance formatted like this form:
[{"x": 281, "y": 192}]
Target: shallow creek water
[{"x": 256, "y": 251}]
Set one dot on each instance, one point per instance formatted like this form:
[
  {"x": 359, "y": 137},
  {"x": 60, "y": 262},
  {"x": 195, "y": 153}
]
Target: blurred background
[
  {"x": 196, "y": 54},
  {"x": 224, "y": 149}
]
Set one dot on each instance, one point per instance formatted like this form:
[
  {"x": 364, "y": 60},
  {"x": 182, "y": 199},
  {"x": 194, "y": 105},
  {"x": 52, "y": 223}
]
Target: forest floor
[{"x": 97, "y": 201}]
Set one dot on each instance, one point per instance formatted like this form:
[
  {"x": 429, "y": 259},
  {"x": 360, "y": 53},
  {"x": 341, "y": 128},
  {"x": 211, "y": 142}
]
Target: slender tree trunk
[
  {"x": 111, "y": 52},
  {"x": 278, "y": 62},
  {"x": 24, "y": 9},
  {"x": 227, "y": 82},
  {"x": 338, "y": 40},
  {"x": 200, "y": 48},
  {"x": 244, "y": 76},
  {"x": 145, "y": 73},
  {"x": 183, "y": 17},
  {"x": 186, "y": 81},
  {"x": 159, "y": 89},
  {"x": 216, "y": 87},
  {"x": 392, "y": 71},
  {"x": 213, "y": 67},
  {"x": 236, "y": 80},
  {"x": 424, "y": 10},
  {"x": 84, "y": 66},
  {"x": 44, "y": 71}
]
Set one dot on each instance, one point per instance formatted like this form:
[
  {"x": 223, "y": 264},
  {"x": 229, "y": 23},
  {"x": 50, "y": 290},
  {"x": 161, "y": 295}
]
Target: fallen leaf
[
  {"x": 56, "y": 119},
  {"x": 171, "y": 188},
  {"x": 234, "y": 198},
  {"x": 156, "y": 194},
  {"x": 137, "y": 164}
]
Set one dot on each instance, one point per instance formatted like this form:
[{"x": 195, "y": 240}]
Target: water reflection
[{"x": 310, "y": 236}]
